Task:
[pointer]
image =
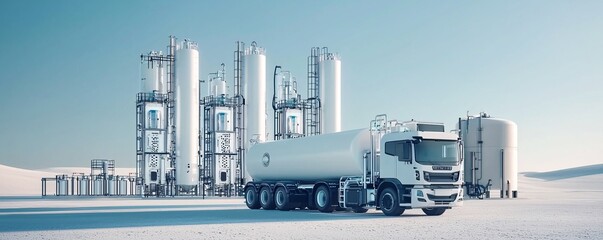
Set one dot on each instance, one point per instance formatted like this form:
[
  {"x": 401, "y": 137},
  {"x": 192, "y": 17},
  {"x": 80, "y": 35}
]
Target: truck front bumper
[{"x": 437, "y": 197}]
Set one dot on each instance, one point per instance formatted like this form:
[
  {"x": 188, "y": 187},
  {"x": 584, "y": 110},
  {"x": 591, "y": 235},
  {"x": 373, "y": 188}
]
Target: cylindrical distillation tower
[
  {"x": 329, "y": 67},
  {"x": 187, "y": 116},
  {"x": 254, "y": 84}
]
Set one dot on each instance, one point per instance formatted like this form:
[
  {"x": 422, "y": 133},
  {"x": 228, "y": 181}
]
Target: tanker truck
[{"x": 390, "y": 166}]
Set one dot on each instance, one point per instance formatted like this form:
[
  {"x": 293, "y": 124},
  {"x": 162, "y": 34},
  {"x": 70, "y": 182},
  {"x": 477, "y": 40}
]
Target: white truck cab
[{"x": 426, "y": 161}]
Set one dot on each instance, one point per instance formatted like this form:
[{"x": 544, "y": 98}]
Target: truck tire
[
  {"x": 281, "y": 199},
  {"x": 266, "y": 199},
  {"x": 252, "y": 199},
  {"x": 322, "y": 199},
  {"x": 389, "y": 202},
  {"x": 434, "y": 211}
]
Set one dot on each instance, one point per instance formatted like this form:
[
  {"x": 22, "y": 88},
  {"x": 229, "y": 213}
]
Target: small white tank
[
  {"x": 152, "y": 74},
  {"x": 97, "y": 187},
  {"x": 123, "y": 186},
  {"x": 220, "y": 88},
  {"x": 84, "y": 183},
  {"x": 491, "y": 153},
  {"x": 62, "y": 185},
  {"x": 111, "y": 187}
]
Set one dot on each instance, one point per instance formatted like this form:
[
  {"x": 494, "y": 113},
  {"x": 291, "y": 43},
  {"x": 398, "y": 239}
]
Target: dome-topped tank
[{"x": 490, "y": 153}]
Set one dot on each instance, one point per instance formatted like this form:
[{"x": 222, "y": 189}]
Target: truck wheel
[
  {"x": 434, "y": 211},
  {"x": 266, "y": 199},
  {"x": 251, "y": 198},
  {"x": 389, "y": 203},
  {"x": 322, "y": 199},
  {"x": 359, "y": 210},
  {"x": 281, "y": 199}
]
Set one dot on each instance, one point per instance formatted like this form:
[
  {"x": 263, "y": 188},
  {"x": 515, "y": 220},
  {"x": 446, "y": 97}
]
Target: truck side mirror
[{"x": 461, "y": 152}]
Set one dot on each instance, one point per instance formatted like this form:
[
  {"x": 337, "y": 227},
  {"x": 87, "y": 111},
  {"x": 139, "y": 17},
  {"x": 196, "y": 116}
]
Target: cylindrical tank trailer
[{"x": 312, "y": 158}]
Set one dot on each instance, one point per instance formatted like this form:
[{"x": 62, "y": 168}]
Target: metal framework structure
[
  {"x": 312, "y": 113},
  {"x": 283, "y": 107},
  {"x": 239, "y": 117},
  {"x": 217, "y": 151},
  {"x": 102, "y": 181},
  {"x": 156, "y": 153},
  {"x": 220, "y": 163}
]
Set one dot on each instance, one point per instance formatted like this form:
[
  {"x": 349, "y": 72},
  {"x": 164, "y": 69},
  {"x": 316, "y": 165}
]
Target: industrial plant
[
  {"x": 215, "y": 141},
  {"x": 193, "y": 141}
]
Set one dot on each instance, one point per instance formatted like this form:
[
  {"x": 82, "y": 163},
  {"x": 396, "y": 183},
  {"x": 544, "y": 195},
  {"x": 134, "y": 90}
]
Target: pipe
[
  {"x": 502, "y": 173},
  {"x": 480, "y": 142},
  {"x": 275, "y": 122},
  {"x": 274, "y": 87},
  {"x": 364, "y": 172}
]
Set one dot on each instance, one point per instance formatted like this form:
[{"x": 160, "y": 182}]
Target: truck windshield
[{"x": 437, "y": 152}]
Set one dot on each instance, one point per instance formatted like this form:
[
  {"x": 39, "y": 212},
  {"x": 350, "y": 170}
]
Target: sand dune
[
  {"x": 567, "y": 173},
  {"x": 21, "y": 182}
]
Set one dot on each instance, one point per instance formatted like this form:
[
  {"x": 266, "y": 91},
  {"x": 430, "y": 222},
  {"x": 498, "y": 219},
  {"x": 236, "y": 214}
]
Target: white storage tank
[
  {"x": 123, "y": 186},
  {"x": 319, "y": 157},
  {"x": 111, "y": 183},
  {"x": 187, "y": 116},
  {"x": 152, "y": 72},
  {"x": 62, "y": 185},
  {"x": 329, "y": 67},
  {"x": 254, "y": 91},
  {"x": 490, "y": 153},
  {"x": 84, "y": 185},
  {"x": 97, "y": 187},
  {"x": 218, "y": 87}
]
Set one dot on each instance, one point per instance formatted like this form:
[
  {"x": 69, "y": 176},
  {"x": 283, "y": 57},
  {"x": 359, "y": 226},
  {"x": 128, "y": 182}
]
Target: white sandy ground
[{"x": 567, "y": 208}]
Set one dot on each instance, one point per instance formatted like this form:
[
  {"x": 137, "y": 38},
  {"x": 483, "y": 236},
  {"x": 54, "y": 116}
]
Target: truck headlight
[
  {"x": 419, "y": 193},
  {"x": 426, "y": 176}
]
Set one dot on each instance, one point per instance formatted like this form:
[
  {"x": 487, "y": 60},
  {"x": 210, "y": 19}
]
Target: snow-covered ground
[{"x": 567, "y": 207}]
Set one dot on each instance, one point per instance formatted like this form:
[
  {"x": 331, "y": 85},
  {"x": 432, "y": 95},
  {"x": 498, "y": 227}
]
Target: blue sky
[{"x": 70, "y": 69}]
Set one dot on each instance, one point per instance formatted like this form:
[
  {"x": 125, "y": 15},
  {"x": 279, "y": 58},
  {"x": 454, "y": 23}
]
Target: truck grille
[
  {"x": 442, "y": 199},
  {"x": 441, "y": 177}
]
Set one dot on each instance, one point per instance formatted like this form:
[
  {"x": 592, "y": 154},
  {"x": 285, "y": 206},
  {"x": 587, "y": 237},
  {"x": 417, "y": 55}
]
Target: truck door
[{"x": 401, "y": 151}]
